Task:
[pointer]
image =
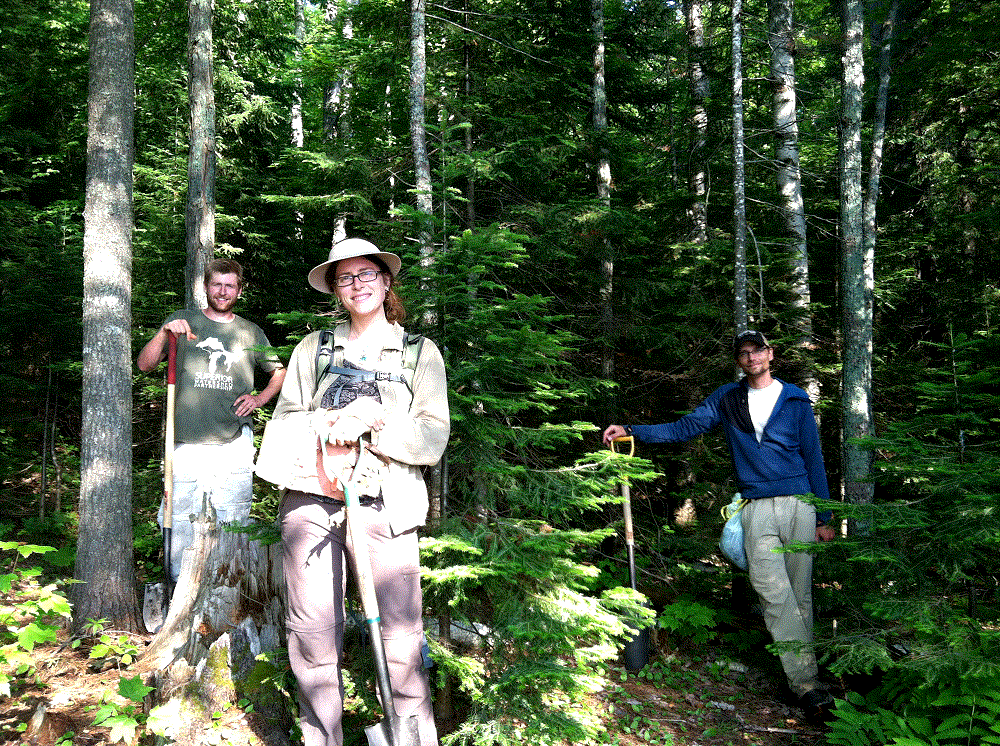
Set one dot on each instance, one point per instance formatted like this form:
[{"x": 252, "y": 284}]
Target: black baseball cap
[{"x": 751, "y": 336}]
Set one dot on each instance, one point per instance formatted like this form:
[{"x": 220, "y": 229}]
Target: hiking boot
[{"x": 817, "y": 704}]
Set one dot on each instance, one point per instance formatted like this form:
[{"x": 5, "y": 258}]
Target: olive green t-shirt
[{"x": 213, "y": 371}]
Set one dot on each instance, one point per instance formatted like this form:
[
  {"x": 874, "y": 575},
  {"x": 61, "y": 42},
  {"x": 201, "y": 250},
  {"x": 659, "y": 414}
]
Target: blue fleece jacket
[{"x": 786, "y": 461}]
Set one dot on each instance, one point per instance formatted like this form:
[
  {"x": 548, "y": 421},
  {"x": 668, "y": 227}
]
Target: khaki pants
[
  {"x": 784, "y": 580},
  {"x": 315, "y": 552}
]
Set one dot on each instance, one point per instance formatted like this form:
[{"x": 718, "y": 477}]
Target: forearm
[
  {"x": 273, "y": 386},
  {"x": 153, "y": 352}
]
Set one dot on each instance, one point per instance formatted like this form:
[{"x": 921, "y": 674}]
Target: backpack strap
[{"x": 330, "y": 361}]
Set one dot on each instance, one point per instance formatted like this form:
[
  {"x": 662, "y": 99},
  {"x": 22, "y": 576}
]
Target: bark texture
[
  {"x": 857, "y": 278},
  {"x": 104, "y": 563},
  {"x": 739, "y": 177},
  {"x": 200, "y": 212},
  {"x": 698, "y": 83}
]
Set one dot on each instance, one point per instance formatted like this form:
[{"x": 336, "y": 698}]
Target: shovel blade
[
  {"x": 154, "y": 605},
  {"x": 403, "y": 732}
]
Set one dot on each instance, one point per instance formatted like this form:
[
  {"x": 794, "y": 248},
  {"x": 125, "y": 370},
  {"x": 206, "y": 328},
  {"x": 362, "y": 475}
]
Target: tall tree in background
[
  {"x": 104, "y": 562},
  {"x": 467, "y": 77},
  {"x": 201, "y": 151},
  {"x": 856, "y": 278},
  {"x": 299, "y": 30},
  {"x": 603, "y": 196},
  {"x": 424, "y": 198},
  {"x": 337, "y": 102},
  {"x": 336, "y": 94},
  {"x": 418, "y": 128},
  {"x": 781, "y": 38},
  {"x": 882, "y": 38},
  {"x": 698, "y": 156},
  {"x": 739, "y": 177}
]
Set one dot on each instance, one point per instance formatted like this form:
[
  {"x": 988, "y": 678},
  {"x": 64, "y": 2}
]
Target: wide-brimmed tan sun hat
[{"x": 348, "y": 249}]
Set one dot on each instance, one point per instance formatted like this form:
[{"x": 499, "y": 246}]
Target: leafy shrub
[
  {"x": 952, "y": 709},
  {"x": 689, "y": 620},
  {"x": 27, "y": 612}
]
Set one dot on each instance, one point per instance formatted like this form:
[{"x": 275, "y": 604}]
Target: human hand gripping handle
[
  {"x": 347, "y": 425},
  {"x": 612, "y": 433},
  {"x": 178, "y": 327}
]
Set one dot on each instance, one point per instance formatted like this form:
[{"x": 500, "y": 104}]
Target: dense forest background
[{"x": 510, "y": 271}]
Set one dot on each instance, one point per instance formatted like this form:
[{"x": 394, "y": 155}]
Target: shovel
[
  {"x": 392, "y": 730},
  {"x": 156, "y": 599},
  {"x": 637, "y": 648}
]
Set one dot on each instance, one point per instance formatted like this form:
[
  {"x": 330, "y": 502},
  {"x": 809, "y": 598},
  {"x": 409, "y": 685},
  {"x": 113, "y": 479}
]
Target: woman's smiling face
[{"x": 361, "y": 298}]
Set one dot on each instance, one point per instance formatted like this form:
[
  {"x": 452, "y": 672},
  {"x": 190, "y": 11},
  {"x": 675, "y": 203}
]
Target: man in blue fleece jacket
[{"x": 772, "y": 436}]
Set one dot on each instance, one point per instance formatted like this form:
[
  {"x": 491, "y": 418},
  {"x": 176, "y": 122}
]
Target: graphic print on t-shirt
[{"x": 218, "y": 356}]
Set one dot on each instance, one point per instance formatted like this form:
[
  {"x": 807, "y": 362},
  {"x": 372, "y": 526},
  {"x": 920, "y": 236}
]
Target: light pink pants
[{"x": 315, "y": 552}]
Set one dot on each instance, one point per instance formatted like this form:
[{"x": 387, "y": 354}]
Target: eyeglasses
[
  {"x": 747, "y": 354},
  {"x": 365, "y": 275}
]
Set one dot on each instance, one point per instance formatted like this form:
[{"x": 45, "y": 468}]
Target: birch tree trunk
[
  {"x": 200, "y": 217},
  {"x": 298, "y": 132},
  {"x": 299, "y": 30},
  {"x": 424, "y": 197},
  {"x": 104, "y": 562},
  {"x": 781, "y": 37},
  {"x": 337, "y": 105},
  {"x": 337, "y": 95},
  {"x": 740, "y": 322},
  {"x": 857, "y": 283},
  {"x": 698, "y": 81},
  {"x": 604, "y": 197},
  {"x": 418, "y": 126}
]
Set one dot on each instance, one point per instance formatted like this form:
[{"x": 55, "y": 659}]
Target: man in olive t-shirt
[{"x": 217, "y": 354}]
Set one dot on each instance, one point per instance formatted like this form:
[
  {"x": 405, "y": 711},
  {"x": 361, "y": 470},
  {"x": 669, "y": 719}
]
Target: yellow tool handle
[{"x": 630, "y": 439}]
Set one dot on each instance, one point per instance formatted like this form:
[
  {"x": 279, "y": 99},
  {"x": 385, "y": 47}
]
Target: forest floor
[{"x": 679, "y": 698}]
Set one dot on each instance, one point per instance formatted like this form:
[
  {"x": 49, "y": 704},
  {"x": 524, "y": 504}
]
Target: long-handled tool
[
  {"x": 637, "y": 648},
  {"x": 392, "y": 730},
  {"x": 168, "y": 463},
  {"x": 157, "y": 596}
]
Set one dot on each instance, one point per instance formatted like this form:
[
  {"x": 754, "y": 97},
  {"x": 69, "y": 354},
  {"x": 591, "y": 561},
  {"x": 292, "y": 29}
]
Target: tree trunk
[
  {"x": 781, "y": 38},
  {"x": 104, "y": 562},
  {"x": 698, "y": 81},
  {"x": 425, "y": 198},
  {"x": 857, "y": 283},
  {"x": 200, "y": 217},
  {"x": 604, "y": 198},
  {"x": 337, "y": 94},
  {"x": 337, "y": 106},
  {"x": 298, "y": 129},
  {"x": 227, "y": 610},
  {"x": 418, "y": 129},
  {"x": 739, "y": 178},
  {"x": 881, "y": 40},
  {"x": 470, "y": 182}
]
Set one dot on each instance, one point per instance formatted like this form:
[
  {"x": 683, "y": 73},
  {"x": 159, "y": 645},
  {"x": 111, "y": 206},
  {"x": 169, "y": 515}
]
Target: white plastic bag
[{"x": 731, "y": 542}]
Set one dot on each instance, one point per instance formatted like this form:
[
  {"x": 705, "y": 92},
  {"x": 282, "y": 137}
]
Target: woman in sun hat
[{"x": 404, "y": 412}]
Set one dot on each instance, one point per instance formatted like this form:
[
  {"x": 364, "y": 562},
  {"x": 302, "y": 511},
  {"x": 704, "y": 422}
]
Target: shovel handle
[
  {"x": 627, "y": 507},
  {"x": 168, "y": 445},
  {"x": 626, "y": 492},
  {"x": 168, "y": 460},
  {"x": 358, "y": 533},
  {"x": 630, "y": 439}
]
